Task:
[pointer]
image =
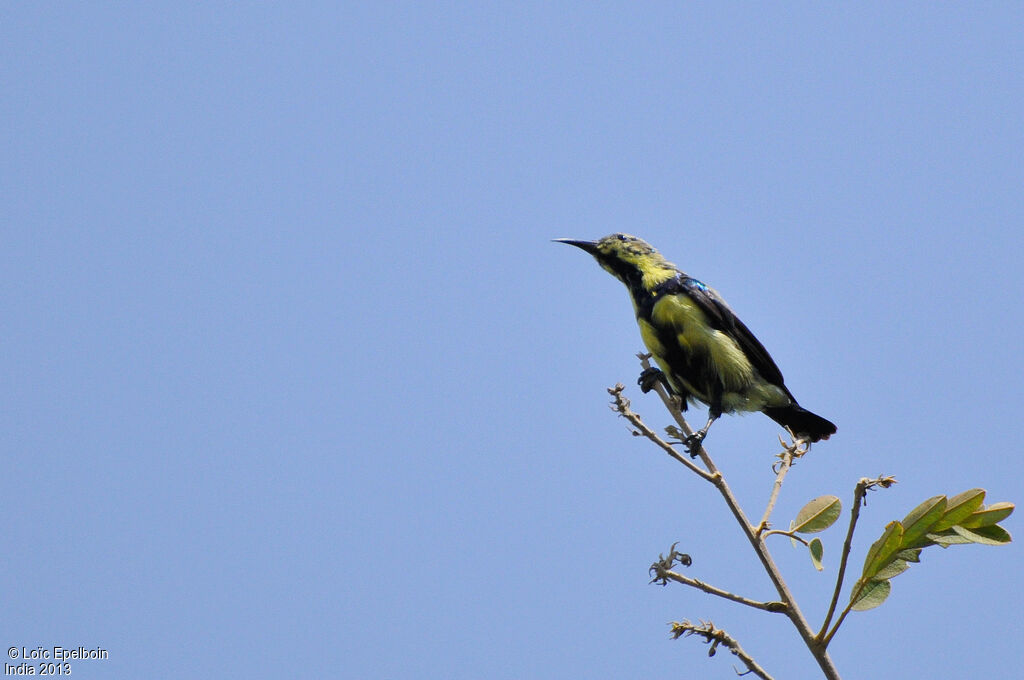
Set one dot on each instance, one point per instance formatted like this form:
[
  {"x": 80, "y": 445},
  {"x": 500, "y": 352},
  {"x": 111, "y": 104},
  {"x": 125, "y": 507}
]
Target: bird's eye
[{"x": 622, "y": 237}]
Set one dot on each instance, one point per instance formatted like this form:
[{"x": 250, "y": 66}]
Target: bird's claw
[
  {"x": 650, "y": 378},
  {"x": 693, "y": 443}
]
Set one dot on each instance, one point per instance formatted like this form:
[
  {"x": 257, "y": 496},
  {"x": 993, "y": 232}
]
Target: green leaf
[
  {"x": 817, "y": 550},
  {"x": 920, "y": 520},
  {"x": 959, "y": 507},
  {"x": 988, "y": 516},
  {"x": 938, "y": 521},
  {"x": 883, "y": 550},
  {"x": 948, "y": 538},
  {"x": 871, "y": 595},
  {"x": 991, "y": 535},
  {"x": 894, "y": 568},
  {"x": 995, "y": 533},
  {"x": 817, "y": 515}
]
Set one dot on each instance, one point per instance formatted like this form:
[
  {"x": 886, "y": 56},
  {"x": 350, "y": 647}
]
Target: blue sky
[{"x": 295, "y": 381}]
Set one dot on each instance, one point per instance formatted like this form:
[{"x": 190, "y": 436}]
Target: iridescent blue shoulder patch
[{"x": 698, "y": 284}]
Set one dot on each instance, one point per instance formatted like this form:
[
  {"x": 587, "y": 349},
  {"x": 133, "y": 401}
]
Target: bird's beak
[{"x": 588, "y": 246}]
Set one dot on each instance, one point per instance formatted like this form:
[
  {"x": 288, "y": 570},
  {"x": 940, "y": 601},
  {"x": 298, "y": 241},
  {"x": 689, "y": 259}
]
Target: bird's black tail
[{"x": 802, "y": 422}]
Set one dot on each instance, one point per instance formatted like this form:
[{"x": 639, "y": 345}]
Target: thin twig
[
  {"x": 621, "y": 406},
  {"x": 860, "y": 492},
  {"x": 787, "y": 462},
  {"x": 673, "y": 408},
  {"x": 715, "y": 637},
  {"x": 791, "y": 534},
  {"x": 712, "y": 590},
  {"x": 858, "y": 496},
  {"x": 839, "y": 622}
]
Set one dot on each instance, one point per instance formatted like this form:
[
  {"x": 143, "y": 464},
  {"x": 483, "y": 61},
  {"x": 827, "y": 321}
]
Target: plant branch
[
  {"x": 673, "y": 406},
  {"x": 839, "y": 622},
  {"x": 667, "y": 575},
  {"x": 858, "y": 497},
  {"x": 621, "y": 406},
  {"x": 788, "y": 454},
  {"x": 860, "y": 492},
  {"x": 780, "y": 532},
  {"x": 715, "y": 637}
]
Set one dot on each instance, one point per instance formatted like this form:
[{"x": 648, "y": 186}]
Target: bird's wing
[{"x": 722, "y": 318}]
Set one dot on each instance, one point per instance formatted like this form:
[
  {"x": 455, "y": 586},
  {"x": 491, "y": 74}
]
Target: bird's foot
[
  {"x": 693, "y": 442},
  {"x": 650, "y": 378}
]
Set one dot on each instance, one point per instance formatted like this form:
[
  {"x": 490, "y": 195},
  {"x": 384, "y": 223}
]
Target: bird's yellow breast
[{"x": 696, "y": 337}]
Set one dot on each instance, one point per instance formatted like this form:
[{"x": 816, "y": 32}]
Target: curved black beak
[{"x": 588, "y": 246}]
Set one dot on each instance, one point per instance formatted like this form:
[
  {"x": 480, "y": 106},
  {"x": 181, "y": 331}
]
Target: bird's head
[{"x": 628, "y": 258}]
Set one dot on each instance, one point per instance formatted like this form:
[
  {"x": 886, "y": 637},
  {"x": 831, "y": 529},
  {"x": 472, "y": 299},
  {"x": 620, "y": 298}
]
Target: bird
[{"x": 703, "y": 351}]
